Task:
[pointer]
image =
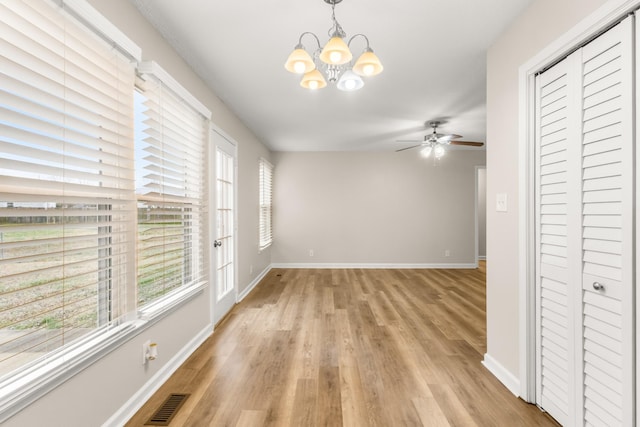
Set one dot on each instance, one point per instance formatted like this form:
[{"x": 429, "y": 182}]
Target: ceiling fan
[{"x": 435, "y": 142}]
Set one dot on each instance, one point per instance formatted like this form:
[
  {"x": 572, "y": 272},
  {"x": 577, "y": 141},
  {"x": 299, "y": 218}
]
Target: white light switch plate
[{"x": 501, "y": 202}]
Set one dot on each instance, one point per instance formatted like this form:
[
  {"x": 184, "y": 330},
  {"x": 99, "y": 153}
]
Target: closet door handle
[{"x": 598, "y": 286}]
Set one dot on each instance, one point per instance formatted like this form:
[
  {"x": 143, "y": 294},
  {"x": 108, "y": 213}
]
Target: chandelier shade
[
  {"x": 349, "y": 81},
  {"x": 299, "y": 62},
  {"x": 313, "y": 80},
  {"x": 368, "y": 64},
  {"x": 333, "y": 62},
  {"x": 336, "y": 52}
]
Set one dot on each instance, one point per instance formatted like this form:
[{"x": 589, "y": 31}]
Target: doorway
[
  {"x": 224, "y": 229},
  {"x": 481, "y": 214}
]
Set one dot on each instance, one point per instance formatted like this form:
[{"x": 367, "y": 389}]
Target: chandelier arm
[
  {"x": 365, "y": 37},
  {"x": 300, "y": 45}
]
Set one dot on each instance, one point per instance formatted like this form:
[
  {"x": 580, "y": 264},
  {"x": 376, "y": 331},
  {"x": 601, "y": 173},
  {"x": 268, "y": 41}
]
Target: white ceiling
[{"x": 433, "y": 52}]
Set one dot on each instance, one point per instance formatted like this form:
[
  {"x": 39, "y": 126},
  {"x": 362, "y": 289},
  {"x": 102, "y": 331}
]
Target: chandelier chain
[{"x": 336, "y": 29}]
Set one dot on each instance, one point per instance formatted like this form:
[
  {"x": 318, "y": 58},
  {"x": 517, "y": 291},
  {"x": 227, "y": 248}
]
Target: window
[
  {"x": 66, "y": 182},
  {"x": 90, "y": 215},
  {"x": 265, "y": 186},
  {"x": 170, "y": 153}
]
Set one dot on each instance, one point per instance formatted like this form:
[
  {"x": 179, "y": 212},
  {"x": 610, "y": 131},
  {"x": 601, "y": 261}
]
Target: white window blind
[
  {"x": 66, "y": 182},
  {"x": 265, "y": 185},
  {"x": 170, "y": 150}
]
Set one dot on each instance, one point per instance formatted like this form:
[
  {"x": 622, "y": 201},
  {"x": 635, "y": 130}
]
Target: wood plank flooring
[{"x": 349, "y": 347}]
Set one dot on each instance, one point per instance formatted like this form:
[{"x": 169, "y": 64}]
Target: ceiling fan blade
[
  {"x": 469, "y": 143},
  {"x": 447, "y": 138},
  {"x": 409, "y": 140},
  {"x": 409, "y": 148}
]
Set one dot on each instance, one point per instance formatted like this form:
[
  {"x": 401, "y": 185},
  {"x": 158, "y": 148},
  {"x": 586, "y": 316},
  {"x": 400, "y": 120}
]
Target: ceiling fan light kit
[
  {"x": 333, "y": 61},
  {"x": 426, "y": 151},
  {"x": 435, "y": 148}
]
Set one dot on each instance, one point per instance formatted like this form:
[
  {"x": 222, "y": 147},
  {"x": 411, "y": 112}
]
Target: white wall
[
  {"x": 95, "y": 394},
  {"x": 374, "y": 208},
  {"x": 543, "y": 22}
]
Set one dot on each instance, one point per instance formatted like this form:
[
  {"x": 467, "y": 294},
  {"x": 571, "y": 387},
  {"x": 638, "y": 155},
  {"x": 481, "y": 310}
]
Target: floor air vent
[{"x": 166, "y": 412}]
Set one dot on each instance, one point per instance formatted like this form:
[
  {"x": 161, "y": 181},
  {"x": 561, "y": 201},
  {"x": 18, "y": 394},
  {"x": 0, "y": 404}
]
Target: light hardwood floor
[{"x": 349, "y": 348}]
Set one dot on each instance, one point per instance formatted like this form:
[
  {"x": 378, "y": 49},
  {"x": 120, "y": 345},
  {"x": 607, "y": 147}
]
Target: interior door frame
[
  {"x": 212, "y": 217},
  {"x": 600, "y": 20},
  {"x": 476, "y": 205}
]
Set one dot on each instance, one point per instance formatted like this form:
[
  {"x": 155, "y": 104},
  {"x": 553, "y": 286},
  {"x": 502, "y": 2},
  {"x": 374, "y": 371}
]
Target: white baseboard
[
  {"x": 373, "y": 265},
  {"x": 482, "y": 257},
  {"x": 129, "y": 409},
  {"x": 507, "y": 378},
  {"x": 254, "y": 283}
]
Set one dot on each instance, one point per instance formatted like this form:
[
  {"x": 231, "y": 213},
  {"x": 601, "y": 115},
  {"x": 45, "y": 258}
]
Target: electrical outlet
[
  {"x": 145, "y": 351},
  {"x": 447, "y": 252},
  {"x": 251, "y": 269},
  {"x": 149, "y": 351},
  {"x": 310, "y": 252}
]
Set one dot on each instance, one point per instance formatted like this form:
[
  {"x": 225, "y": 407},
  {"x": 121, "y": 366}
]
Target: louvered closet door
[
  {"x": 584, "y": 241},
  {"x": 607, "y": 228},
  {"x": 556, "y": 93}
]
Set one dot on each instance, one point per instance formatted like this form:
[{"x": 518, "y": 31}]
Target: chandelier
[{"x": 333, "y": 61}]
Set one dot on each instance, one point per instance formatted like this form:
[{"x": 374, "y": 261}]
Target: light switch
[{"x": 501, "y": 202}]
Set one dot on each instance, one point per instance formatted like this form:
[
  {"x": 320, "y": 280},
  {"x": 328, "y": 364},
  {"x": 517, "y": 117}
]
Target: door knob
[
  {"x": 598, "y": 286},
  {"x": 217, "y": 243}
]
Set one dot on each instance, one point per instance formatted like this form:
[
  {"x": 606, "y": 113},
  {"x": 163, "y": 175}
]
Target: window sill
[
  {"x": 38, "y": 378},
  {"x": 164, "y": 306}
]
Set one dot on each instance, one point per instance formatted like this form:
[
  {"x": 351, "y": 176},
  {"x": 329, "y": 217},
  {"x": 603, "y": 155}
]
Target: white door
[
  {"x": 607, "y": 227},
  {"x": 225, "y": 293},
  {"x": 554, "y": 326},
  {"x": 584, "y": 223}
]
